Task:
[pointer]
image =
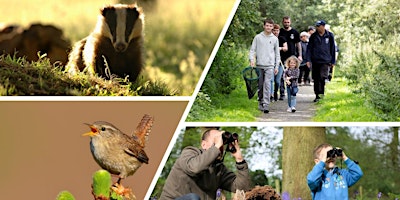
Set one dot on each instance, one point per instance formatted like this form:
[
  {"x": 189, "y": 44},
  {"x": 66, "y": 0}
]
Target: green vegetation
[
  {"x": 371, "y": 54},
  {"x": 229, "y": 102},
  {"x": 101, "y": 189},
  {"x": 178, "y": 40},
  {"x": 340, "y": 104},
  {"x": 20, "y": 77},
  {"x": 368, "y": 64},
  {"x": 65, "y": 195},
  {"x": 232, "y": 108},
  {"x": 101, "y": 183}
]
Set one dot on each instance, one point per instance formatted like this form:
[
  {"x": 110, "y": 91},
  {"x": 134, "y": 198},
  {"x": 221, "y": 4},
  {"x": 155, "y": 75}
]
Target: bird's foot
[{"x": 121, "y": 190}]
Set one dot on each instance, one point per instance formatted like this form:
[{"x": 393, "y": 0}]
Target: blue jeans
[
  {"x": 190, "y": 196},
  {"x": 277, "y": 80},
  {"x": 291, "y": 99}
]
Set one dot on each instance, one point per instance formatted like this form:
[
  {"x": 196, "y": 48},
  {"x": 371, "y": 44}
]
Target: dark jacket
[
  {"x": 304, "y": 52},
  {"x": 195, "y": 171},
  {"x": 321, "y": 49},
  {"x": 293, "y": 73}
]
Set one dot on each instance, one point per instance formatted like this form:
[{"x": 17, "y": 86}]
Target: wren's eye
[{"x": 103, "y": 128}]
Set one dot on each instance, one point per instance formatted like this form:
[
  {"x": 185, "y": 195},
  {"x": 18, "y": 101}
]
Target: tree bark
[
  {"x": 394, "y": 152},
  {"x": 297, "y": 158}
]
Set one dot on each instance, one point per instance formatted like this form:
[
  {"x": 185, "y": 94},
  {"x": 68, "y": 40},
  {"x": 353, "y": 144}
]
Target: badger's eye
[{"x": 103, "y": 128}]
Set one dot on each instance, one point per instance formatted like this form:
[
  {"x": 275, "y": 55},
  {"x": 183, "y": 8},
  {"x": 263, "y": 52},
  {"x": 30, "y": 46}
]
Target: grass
[
  {"x": 178, "y": 37},
  {"x": 340, "y": 104},
  {"x": 235, "y": 107},
  {"x": 22, "y": 78}
]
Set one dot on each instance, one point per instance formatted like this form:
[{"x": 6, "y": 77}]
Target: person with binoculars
[
  {"x": 199, "y": 173},
  {"x": 327, "y": 181}
]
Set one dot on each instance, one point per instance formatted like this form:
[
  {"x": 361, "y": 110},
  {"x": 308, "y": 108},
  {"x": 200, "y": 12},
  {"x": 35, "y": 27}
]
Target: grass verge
[
  {"x": 235, "y": 107},
  {"x": 340, "y": 104},
  {"x": 23, "y": 78}
]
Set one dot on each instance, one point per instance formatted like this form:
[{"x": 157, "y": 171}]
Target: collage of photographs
[{"x": 197, "y": 100}]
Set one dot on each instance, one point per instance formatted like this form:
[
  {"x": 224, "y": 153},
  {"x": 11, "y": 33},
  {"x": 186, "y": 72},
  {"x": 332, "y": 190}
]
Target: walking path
[{"x": 305, "y": 108}]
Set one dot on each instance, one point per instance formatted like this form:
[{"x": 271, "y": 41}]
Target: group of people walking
[{"x": 285, "y": 57}]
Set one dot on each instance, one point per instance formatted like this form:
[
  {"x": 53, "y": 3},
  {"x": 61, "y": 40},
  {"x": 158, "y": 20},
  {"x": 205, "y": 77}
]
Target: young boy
[
  {"x": 304, "y": 70},
  {"x": 326, "y": 181},
  {"x": 264, "y": 53}
]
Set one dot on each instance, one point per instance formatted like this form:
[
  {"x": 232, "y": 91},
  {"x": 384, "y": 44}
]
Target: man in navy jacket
[{"x": 321, "y": 55}]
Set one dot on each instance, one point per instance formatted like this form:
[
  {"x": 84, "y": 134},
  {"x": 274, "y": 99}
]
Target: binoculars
[
  {"x": 333, "y": 153},
  {"x": 229, "y": 140}
]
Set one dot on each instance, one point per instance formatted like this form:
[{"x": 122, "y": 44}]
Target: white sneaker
[
  {"x": 293, "y": 109},
  {"x": 289, "y": 109}
]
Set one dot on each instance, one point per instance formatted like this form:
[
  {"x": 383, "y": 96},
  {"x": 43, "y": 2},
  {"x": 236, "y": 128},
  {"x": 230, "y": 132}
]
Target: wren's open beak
[{"x": 93, "y": 131}]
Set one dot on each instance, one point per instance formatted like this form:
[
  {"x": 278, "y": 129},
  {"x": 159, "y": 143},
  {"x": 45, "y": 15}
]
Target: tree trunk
[
  {"x": 394, "y": 152},
  {"x": 297, "y": 158}
]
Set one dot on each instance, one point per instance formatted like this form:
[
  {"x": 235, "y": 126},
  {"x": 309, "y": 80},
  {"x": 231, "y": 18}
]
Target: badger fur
[{"x": 115, "y": 47}]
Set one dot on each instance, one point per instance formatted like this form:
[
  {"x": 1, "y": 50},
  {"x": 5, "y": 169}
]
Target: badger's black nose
[{"x": 120, "y": 47}]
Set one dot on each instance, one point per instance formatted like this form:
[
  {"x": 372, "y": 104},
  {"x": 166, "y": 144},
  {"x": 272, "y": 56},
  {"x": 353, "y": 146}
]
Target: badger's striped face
[{"x": 123, "y": 23}]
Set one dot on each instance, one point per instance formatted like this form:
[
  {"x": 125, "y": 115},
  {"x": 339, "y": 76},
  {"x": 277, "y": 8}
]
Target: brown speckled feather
[
  {"x": 133, "y": 148},
  {"x": 143, "y": 129}
]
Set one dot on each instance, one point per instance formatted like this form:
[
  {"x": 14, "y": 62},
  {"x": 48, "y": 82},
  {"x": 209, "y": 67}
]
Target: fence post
[{"x": 277, "y": 185}]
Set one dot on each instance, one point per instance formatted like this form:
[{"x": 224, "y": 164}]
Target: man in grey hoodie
[{"x": 264, "y": 54}]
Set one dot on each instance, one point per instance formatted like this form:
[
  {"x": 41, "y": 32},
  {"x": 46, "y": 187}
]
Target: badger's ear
[
  {"x": 135, "y": 8},
  {"x": 133, "y": 11},
  {"x": 106, "y": 9}
]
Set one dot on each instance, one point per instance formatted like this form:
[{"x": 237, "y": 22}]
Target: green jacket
[{"x": 196, "y": 172}]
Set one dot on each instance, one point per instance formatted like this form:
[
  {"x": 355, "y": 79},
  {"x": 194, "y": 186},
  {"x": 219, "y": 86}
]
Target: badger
[{"x": 115, "y": 47}]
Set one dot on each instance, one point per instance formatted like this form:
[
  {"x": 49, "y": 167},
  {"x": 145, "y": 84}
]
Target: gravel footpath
[{"x": 305, "y": 108}]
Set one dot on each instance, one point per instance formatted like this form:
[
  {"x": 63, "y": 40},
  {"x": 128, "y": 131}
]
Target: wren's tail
[{"x": 143, "y": 129}]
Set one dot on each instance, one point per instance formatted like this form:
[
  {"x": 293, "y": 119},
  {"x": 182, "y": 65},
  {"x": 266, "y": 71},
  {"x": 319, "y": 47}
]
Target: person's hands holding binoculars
[{"x": 330, "y": 154}]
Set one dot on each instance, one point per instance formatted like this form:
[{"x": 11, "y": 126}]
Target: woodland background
[
  {"x": 284, "y": 155},
  {"x": 366, "y": 31}
]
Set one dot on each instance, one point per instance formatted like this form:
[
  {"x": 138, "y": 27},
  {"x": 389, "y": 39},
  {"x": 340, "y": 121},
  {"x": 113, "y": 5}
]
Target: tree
[
  {"x": 297, "y": 158},
  {"x": 244, "y": 25},
  {"x": 394, "y": 148},
  {"x": 394, "y": 153}
]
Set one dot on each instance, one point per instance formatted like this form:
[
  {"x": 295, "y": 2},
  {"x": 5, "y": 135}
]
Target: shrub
[
  {"x": 225, "y": 71},
  {"x": 382, "y": 86}
]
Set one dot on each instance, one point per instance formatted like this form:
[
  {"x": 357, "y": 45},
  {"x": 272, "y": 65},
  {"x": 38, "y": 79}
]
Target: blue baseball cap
[{"x": 320, "y": 23}]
